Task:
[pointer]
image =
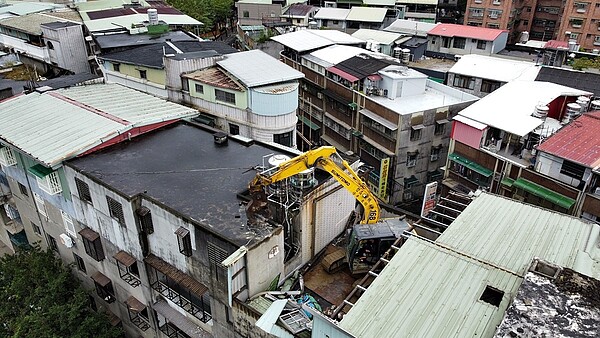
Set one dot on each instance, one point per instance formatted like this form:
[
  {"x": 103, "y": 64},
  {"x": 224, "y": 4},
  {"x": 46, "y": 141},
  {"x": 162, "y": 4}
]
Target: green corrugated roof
[
  {"x": 470, "y": 164},
  {"x": 308, "y": 122},
  {"x": 40, "y": 171},
  {"x": 507, "y": 181},
  {"x": 545, "y": 193}
]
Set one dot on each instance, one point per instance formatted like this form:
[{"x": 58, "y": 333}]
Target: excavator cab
[{"x": 368, "y": 243}]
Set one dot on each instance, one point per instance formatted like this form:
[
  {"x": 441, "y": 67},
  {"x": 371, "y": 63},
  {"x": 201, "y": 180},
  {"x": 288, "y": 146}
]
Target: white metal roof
[
  {"x": 379, "y": 2},
  {"x": 469, "y": 122},
  {"x": 495, "y": 68},
  {"x": 77, "y": 119},
  {"x": 256, "y": 68},
  {"x": 410, "y": 27},
  {"x": 332, "y": 13},
  {"x": 386, "y": 38},
  {"x": 509, "y": 107},
  {"x": 335, "y": 54},
  {"x": 436, "y": 293},
  {"x": 417, "y": 2},
  {"x": 366, "y": 14},
  {"x": 126, "y": 21},
  {"x": 309, "y": 39}
]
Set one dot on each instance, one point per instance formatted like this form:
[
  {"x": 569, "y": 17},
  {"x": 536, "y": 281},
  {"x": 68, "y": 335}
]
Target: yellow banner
[{"x": 383, "y": 177}]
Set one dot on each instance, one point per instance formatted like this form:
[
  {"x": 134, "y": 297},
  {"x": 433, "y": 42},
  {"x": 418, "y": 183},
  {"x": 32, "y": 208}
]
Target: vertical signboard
[
  {"x": 383, "y": 178},
  {"x": 429, "y": 199}
]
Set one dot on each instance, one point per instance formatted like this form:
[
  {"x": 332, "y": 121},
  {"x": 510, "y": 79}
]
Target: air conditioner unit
[
  {"x": 320, "y": 96},
  {"x": 66, "y": 240}
]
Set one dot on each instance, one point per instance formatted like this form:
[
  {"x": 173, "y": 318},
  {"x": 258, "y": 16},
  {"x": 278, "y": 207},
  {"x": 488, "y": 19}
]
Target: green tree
[
  {"x": 212, "y": 13},
  {"x": 582, "y": 63},
  {"x": 39, "y": 297}
]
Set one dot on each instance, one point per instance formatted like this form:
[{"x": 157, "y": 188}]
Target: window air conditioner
[{"x": 66, "y": 240}]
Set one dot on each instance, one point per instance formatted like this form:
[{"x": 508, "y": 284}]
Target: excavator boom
[{"x": 325, "y": 158}]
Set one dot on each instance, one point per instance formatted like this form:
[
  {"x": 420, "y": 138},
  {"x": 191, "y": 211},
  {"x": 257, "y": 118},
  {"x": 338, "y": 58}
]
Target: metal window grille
[
  {"x": 40, "y": 204},
  {"x": 68, "y": 221},
  {"x": 7, "y": 158},
  {"x": 83, "y": 189},
  {"x": 115, "y": 210},
  {"x": 50, "y": 183}
]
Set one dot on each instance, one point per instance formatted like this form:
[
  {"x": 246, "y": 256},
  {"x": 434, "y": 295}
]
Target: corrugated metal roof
[
  {"x": 495, "y": 68},
  {"x": 417, "y": 2},
  {"x": 305, "y": 40},
  {"x": 332, "y": 14},
  {"x": 510, "y": 234},
  {"x": 380, "y": 2},
  {"x": 77, "y": 119},
  {"x": 256, "y": 68},
  {"x": 429, "y": 291},
  {"x": 126, "y": 21},
  {"x": 577, "y": 142},
  {"x": 29, "y": 23},
  {"x": 386, "y": 38},
  {"x": 434, "y": 289},
  {"x": 472, "y": 32},
  {"x": 509, "y": 107},
  {"x": 333, "y": 55},
  {"x": 366, "y": 14},
  {"x": 410, "y": 27},
  {"x": 23, "y": 8}
]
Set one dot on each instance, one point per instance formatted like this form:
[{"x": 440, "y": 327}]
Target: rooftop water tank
[{"x": 153, "y": 16}]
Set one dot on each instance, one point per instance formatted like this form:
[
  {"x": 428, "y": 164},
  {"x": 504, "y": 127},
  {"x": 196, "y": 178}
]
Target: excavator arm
[{"x": 325, "y": 158}]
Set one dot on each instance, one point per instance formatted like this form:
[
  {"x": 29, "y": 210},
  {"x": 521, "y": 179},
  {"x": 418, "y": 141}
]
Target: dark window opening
[
  {"x": 184, "y": 241},
  {"x": 185, "y": 86},
  {"x": 224, "y": 96},
  {"x": 199, "y": 88},
  {"x": 36, "y": 229},
  {"x": 116, "y": 210},
  {"x": 83, "y": 190},
  {"x": 52, "y": 243},
  {"x": 492, "y": 296},
  {"x": 92, "y": 244},
  {"x": 459, "y": 43},
  {"x": 283, "y": 139},
  {"x": 23, "y": 190},
  {"x": 50, "y": 45},
  {"x": 573, "y": 170},
  {"x": 143, "y": 74},
  {"x": 440, "y": 128},
  {"x": 128, "y": 268},
  {"x": 104, "y": 287},
  {"x": 79, "y": 263},
  {"x": 145, "y": 218},
  {"x": 117, "y": 67},
  {"x": 234, "y": 129},
  {"x": 138, "y": 313}
]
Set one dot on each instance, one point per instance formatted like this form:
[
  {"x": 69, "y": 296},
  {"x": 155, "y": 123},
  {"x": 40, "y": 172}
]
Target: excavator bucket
[{"x": 258, "y": 206}]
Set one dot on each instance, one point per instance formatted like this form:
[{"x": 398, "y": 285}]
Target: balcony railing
[{"x": 181, "y": 301}]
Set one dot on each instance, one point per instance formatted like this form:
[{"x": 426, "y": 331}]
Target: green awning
[
  {"x": 507, "y": 181},
  {"x": 353, "y": 105},
  {"x": 40, "y": 171},
  {"x": 308, "y": 122},
  {"x": 204, "y": 119},
  {"x": 471, "y": 165},
  {"x": 545, "y": 193}
]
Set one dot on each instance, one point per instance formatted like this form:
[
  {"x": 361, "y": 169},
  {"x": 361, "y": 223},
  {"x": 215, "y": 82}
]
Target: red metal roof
[
  {"x": 342, "y": 74},
  {"x": 472, "y": 32},
  {"x": 578, "y": 141},
  {"x": 555, "y": 44}
]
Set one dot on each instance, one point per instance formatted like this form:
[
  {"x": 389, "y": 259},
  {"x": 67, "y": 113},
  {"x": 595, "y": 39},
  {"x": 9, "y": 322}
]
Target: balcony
[{"x": 24, "y": 47}]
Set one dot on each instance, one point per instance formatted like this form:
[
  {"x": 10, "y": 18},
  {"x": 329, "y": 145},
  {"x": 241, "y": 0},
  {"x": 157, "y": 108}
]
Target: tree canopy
[
  {"x": 39, "y": 297},
  {"x": 583, "y": 63},
  {"x": 211, "y": 13}
]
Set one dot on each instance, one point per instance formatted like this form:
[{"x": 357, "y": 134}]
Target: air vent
[{"x": 220, "y": 138}]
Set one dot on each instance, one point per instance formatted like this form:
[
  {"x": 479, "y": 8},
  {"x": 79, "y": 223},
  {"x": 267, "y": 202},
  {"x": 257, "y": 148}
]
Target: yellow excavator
[{"x": 368, "y": 240}]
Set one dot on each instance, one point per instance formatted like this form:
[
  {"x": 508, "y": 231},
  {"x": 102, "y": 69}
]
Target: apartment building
[
  {"x": 545, "y": 20},
  {"x": 368, "y": 103},
  {"x": 495, "y": 146}
]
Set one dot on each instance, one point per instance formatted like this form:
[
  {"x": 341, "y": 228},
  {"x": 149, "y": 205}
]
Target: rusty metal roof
[
  {"x": 89, "y": 234},
  {"x": 214, "y": 77},
  {"x": 134, "y": 304},
  {"x": 100, "y": 278},
  {"x": 177, "y": 276},
  {"x": 124, "y": 258}
]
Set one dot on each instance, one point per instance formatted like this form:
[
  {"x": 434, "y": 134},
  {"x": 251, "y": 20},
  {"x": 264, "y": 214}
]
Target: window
[
  {"x": 23, "y": 190},
  {"x": 415, "y": 132},
  {"x": 573, "y": 170},
  {"x": 234, "y": 129},
  {"x": 116, "y": 67},
  {"x": 493, "y": 25},
  {"x": 145, "y": 218},
  {"x": 494, "y": 13},
  {"x": 283, "y": 139},
  {"x": 143, "y": 74},
  {"x": 184, "y": 240},
  {"x": 68, "y": 222},
  {"x": 481, "y": 44},
  {"x": 7, "y": 158},
  {"x": 52, "y": 243},
  {"x": 36, "y": 229},
  {"x": 79, "y": 263},
  {"x": 435, "y": 153},
  {"x": 525, "y": 22},
  {"x": 597, "y": 40},
  {"x": 576, "y": 22},
  {"x": 138, "y": 313},
  {"x": 446, "y": 42},
  {"x": 466, "y": 82},
  {"x": 411, "y": 159},
  {"x": 128, "y": 268},
  {"x": 459, "y": 43},
  {"x": 47, "y": 179},
  {"x": 40, "y": 204},
  {"x": 199, "y": 88},
  {"x": 574, "y": 36},
  {"x": 335, "y": 22},
  {"x": 440, "y": 127},
  {"x": 581, "y": 7},
  {"x": 488, "y": 86},
  {"x": 92, "y": 244},
  {"x": 528, "y": 9},
  {"x": 476, "y": 12},
  {"x": 104, "y": 287},
  {"x": 246, "y": 14},
  {"x": 492, "y": 296},
  {"x": 116, "y": 210},
  {"x": 224, "y": 96},
  {"x": 50, "y": 45},
  {"x": 83, "y": 190}
]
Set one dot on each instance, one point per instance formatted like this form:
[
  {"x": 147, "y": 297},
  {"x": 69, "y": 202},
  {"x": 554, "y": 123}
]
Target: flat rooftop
[{"x": 182, "y": 168}]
